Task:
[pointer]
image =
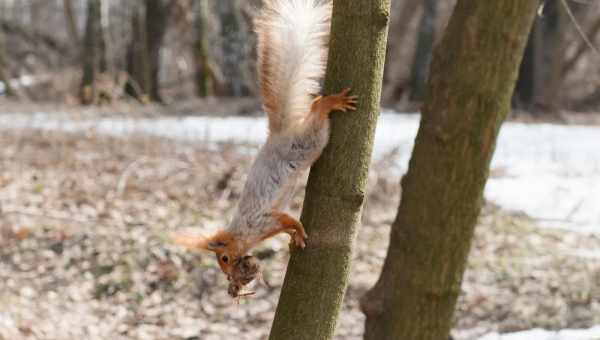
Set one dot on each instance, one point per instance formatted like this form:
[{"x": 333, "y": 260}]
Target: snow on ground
[
  {"x": 550, "y": 172},
  {"x": 540, "y": 334}
]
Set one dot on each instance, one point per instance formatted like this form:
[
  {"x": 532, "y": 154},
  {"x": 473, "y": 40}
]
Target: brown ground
[{"x": 84, "y": 251}]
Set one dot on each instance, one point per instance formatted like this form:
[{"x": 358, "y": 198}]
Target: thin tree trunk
[
  {"x": 472, "y": 78},
  {"x": 71, "y": 22},
  {"x": 4, "y": 74},
  {"x": 317, "y": 276},
  {"x": 157, "y": 19},
  {"x": 422, "y": 59},
  {"x": 399, "y": 29},
  {"x": 551, "y": 57},
  {"x": 138, "y": 64},
  {"x": 524, "y": 95},
  {"x": 94, "y": 52},
  {"x": 581, "y": 48},
  {"x": 234, "y": 55},
  {"x": 204, "y": 71}
]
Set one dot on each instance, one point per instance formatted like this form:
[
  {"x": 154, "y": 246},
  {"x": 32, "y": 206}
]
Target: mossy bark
[
  {"x": 317, "y": 276},
  {"x": 472, "y": 78}
]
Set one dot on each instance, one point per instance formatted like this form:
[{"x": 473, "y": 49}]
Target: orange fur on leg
[{"x": 285, "y": 224}]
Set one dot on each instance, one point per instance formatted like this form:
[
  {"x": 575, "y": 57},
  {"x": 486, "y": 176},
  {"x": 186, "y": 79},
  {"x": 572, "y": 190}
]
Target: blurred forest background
[{"x": 97, "y": 51}]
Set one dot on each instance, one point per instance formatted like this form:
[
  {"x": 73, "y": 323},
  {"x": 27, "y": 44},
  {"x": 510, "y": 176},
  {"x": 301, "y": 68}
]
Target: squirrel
[{"x": 293, "y": 37}]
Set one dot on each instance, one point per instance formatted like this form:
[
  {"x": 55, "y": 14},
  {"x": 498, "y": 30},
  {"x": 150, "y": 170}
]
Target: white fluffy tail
[{"x": 292, "y": 54}]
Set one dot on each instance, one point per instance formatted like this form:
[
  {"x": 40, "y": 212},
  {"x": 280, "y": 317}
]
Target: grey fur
[{"x": 274, "y": 174}]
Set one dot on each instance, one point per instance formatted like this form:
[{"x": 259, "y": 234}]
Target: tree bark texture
[
  {"x": 94, "y": 52},
  {"x": 473, "y": 73},
  {"x": 317, "y": 276}
]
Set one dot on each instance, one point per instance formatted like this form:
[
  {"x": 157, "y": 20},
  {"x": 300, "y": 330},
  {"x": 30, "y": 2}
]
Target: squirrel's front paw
[
  {"x": 299, "y": 240},
  {"x": 344, "y": 102}
]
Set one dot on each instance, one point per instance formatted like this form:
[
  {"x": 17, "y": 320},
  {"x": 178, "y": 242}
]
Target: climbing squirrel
[{"x": 292, "y": 53}]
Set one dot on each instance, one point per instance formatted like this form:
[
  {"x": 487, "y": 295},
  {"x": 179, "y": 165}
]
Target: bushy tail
[{"x": 292, "y": 54}]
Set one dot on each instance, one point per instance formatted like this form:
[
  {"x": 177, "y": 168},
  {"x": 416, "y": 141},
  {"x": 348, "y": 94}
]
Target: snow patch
[
  {"x": 550, "y": 172},
  {"x": 540, "y": 334}
]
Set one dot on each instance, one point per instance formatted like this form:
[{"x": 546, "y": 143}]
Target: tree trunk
[
  {"x": 94, "y": 52},
  {"x": 524, "y": 95},
  {"x": 204, "y": 70},
  {"x": 393, "y": 80},
  {"x": 317, "y": 276},
  {"x": 71, "y": 22},
  {"x": 234, "y": 54},
  {"x": 138, "y": 64},
  {"x": 551, "y": 57},
  {"x": 425, "y": 40},
  {"x": 473, "y": 74},
  {"x": 4, "y": 74},
  {"x": 157, "y": 19}
]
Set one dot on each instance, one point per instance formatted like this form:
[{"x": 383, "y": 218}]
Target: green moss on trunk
[
  {"x": 473, "y": 74},
  {"x": 317, "y": 276}
]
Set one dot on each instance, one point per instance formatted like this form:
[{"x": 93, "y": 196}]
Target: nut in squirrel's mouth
[{"x": 245, "y": 270}]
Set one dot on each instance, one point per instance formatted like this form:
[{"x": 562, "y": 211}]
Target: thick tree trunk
[
  {"x": 204, "y": 70},
  {"x": 94, "y": 52},
  {"x": 317, "y": 276},
  {"x": 422, "y": 59},
  {"x": 472, "y": 78}
]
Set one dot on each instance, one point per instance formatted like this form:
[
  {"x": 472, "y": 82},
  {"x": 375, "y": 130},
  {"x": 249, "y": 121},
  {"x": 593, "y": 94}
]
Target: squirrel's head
[{"x": 222, "y": 243}]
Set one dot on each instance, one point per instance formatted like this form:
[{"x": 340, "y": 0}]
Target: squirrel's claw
[{"x": 300, "y": 240}]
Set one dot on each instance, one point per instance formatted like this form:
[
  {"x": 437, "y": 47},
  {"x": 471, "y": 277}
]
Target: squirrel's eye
[{"x": 225, "y": 258}]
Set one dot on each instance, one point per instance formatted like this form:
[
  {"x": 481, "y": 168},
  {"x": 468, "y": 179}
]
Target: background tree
[
  {"x": 205, "y": 69},
  {"x": 233, "y": 35},
  {"x": 71, "y": 22},
  {"x": 149, "y": 23},
  {"x": 541, "y": 73},
  {"x": 473, "y": 74},
  {"x": 423, "y": 51},
  {"x": 333, "y": 204},
  {"x": 4, "y": 77},
  {"x": 94, "y": 52}
]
